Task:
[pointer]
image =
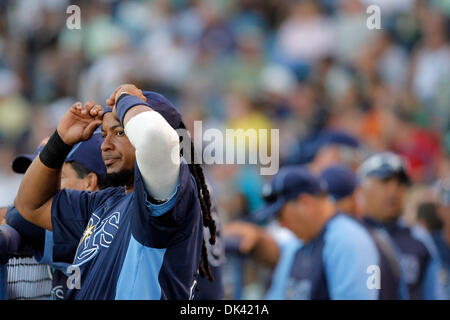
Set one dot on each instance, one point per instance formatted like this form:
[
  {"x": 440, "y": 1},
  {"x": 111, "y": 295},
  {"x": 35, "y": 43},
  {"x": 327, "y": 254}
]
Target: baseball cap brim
[
  {"x": 21, "y": 163},
  {"x": 385, "y": 174},
  {"x": 268, "y": 211}
]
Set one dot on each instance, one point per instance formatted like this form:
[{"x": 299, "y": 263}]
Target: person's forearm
[
  {"x": 2, "y": 214},
  {"x": 157, "y": 150},
  {"x": 42, "y": 179},
  {"x": 266, "y": 251},
  {"x": 39, "y": 184}
]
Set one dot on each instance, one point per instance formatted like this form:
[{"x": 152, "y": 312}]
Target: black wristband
[{"x": 55, "y": 152}]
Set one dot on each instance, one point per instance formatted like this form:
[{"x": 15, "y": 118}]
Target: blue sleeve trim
[
  {"x": 348, "y": 252},
  {"x": 159, "y": 209},
  {"x": 282, "y": 270}
]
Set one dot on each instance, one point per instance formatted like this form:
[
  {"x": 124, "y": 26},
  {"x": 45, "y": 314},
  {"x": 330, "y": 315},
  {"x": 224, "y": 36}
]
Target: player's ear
[{"x": 91, "y": 181}]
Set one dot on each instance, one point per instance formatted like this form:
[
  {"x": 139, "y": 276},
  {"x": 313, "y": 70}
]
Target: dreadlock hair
[{"x": 205, "y": 204}]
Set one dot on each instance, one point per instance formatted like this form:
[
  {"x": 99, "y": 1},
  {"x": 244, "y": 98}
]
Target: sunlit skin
[
  {"x": 352, "y": 205},
  {"x": 348, "y": 205},
  {"x": 306, "y": 215},
  {"x": 2, "y": 215},
  {"x": 117, "y": 152},
  {"x": 383, "y": 198},
  {"x": 326, "y": 157}
]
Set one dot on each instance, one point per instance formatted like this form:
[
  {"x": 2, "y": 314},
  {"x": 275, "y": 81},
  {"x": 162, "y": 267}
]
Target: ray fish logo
[{"x": 98, "y": 233}]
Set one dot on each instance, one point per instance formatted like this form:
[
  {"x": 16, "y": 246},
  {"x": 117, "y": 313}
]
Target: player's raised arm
[
  {"x": 254, "y": 241},
  {"x": 41, "y": 181},
  {"x": 155, "y": 141}
]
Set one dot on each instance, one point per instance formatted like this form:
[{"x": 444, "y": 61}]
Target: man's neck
[
  {"x": 327, "y": 211},
  {"x": 378, "y": 219},
  {"x": 129, "y": 189}
]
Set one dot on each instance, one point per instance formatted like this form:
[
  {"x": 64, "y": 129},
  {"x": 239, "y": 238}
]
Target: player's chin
[
  {"x": 114, "y": 167},
  {"x": 391, "y": 213}
]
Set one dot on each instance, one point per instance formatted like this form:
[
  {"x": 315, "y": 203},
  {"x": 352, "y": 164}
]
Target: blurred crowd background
[{"x": 312, "y": 69}]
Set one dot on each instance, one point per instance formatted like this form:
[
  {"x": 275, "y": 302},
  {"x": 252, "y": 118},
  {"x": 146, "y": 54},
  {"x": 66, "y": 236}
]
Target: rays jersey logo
[
  {"x": 410, "y": 266},
  {"x": 58, "y": 293},
  {"x": 98, "y": 233},
  {"x": 298, "y": 289}
]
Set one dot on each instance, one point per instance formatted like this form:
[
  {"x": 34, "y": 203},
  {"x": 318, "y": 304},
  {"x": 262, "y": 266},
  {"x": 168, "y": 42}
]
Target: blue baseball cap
[
  {"x": 384, "y": 165},
  {"x": 341, "y": 181},
  {"x": 89, "y": 154},
  {"x": 160, "y": 104},
  {"x": 337, "y": 137},
  {"x": 21, "y": 162},
  {"x": 288, "y": 183},
  {"x": 311, "y": 145}
]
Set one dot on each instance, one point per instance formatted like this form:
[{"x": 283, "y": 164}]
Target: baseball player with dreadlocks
[{"x": 141, "y": 241}]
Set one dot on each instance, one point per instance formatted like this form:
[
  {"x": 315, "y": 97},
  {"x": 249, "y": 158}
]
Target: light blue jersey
[{"x": 339, "y": 264}]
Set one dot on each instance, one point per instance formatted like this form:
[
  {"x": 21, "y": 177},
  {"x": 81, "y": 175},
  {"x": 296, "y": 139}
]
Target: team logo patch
[
  {"x": 411, "y": 268},
  {"x": 58, "y": 293},
  {"x": 298, "y": 289},
  {"x": 98, "y": 233}
]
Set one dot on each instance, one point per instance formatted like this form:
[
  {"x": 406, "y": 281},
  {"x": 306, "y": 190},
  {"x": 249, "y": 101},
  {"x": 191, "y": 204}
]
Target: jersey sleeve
[
  {"x": 71, "y": 210},
  {"x": 167, "y": 223},
  {"x": 282, "y": 270},
  {"x": 350, "y": 258},
  {"x": 432, "y": 288}
]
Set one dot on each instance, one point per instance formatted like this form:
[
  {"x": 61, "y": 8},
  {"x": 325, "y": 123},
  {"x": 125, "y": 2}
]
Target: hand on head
[
  {"x": 79, "y": 122},
  {"x": 124, "y": 89}
]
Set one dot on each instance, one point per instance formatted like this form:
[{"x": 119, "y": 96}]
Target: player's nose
[{"x": 106, "y": 144}]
